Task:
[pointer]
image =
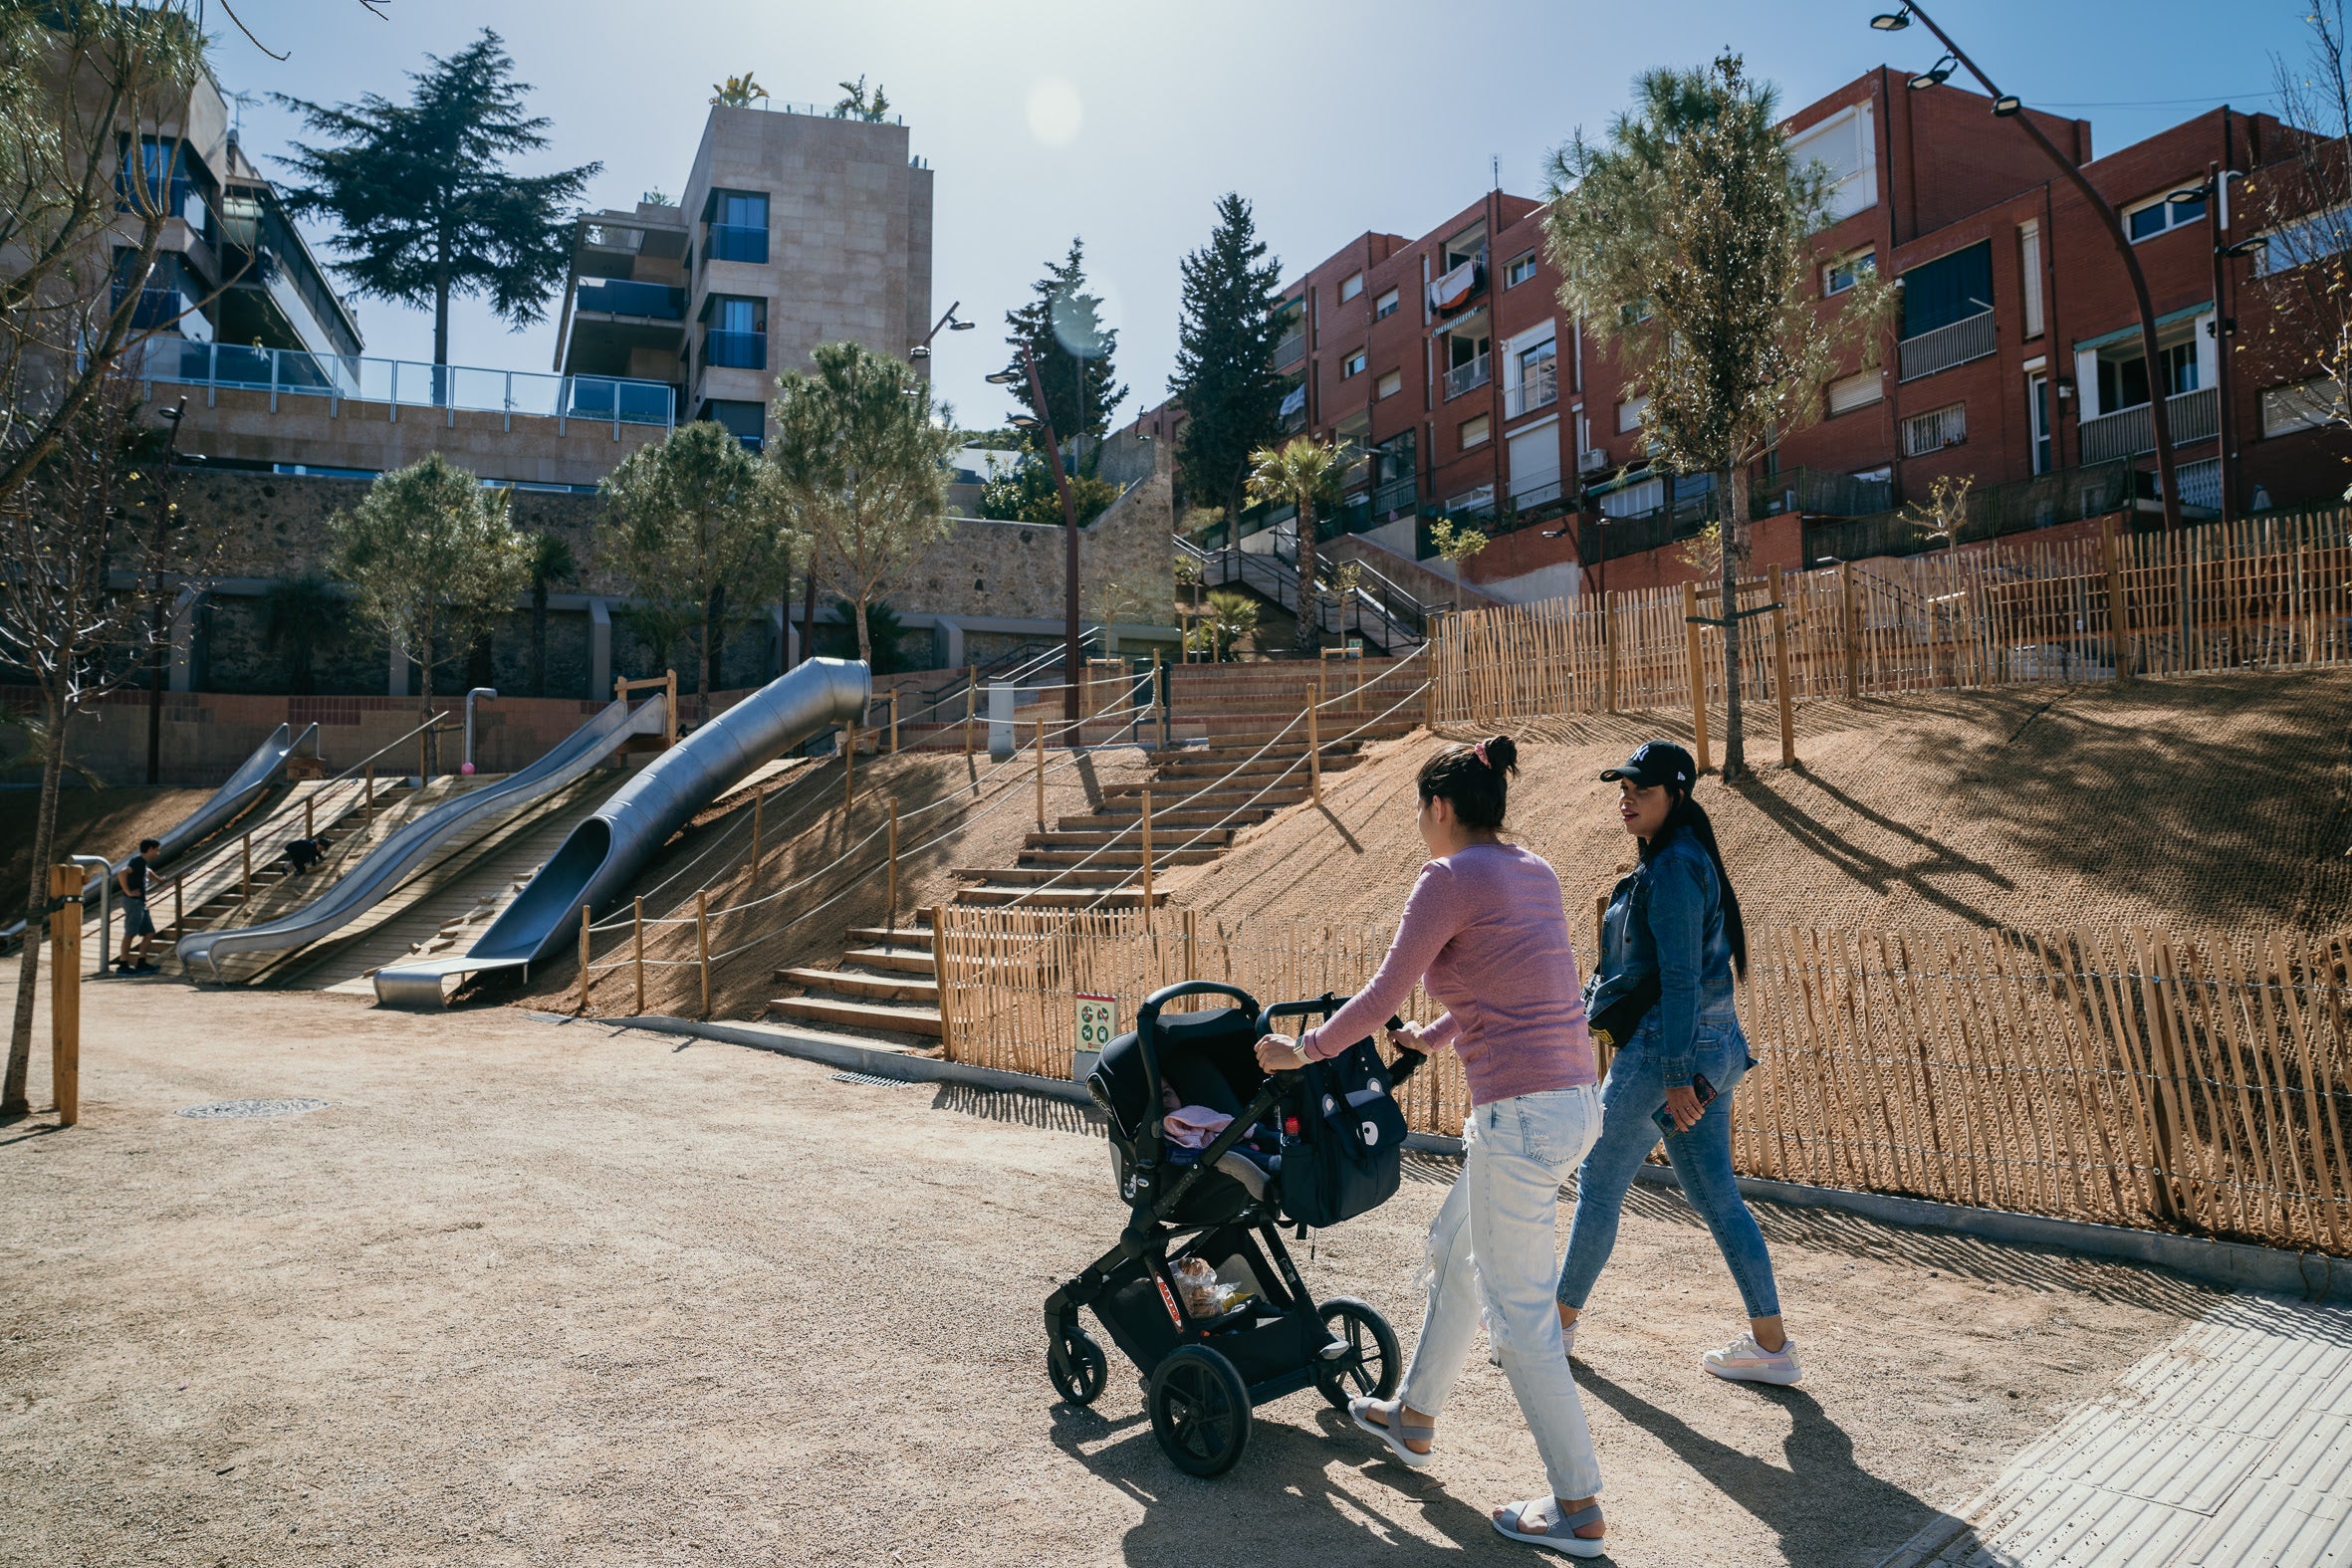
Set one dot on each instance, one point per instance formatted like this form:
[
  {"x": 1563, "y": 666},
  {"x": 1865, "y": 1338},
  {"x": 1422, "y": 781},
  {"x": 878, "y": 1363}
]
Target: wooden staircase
[
  {"x": 228, "y": 898},
  {"x": 886, "y": 983}
]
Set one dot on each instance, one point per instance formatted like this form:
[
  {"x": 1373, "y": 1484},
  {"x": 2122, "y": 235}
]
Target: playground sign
[{"x": 1098, "y": 1021}]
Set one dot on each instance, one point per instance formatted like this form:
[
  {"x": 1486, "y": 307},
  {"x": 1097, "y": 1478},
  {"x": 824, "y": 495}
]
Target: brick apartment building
[{"x": 2015, "y": 359}]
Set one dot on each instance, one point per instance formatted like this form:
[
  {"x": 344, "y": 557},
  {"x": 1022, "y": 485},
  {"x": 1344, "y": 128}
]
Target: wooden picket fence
[
  {"x": 2270, "y": 592},
  {"x": 2127, "y": 1078}
]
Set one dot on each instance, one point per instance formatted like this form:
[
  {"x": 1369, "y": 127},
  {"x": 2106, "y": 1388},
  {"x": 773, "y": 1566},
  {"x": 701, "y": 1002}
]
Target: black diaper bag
[{"x": 1343, "y": 1159}]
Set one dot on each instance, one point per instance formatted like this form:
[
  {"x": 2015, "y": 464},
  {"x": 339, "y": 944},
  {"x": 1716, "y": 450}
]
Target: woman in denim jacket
[{"x": 1674, "y": 922}]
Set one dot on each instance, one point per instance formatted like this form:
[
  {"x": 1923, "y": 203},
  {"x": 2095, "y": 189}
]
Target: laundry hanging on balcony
[
  {"x": 1451, "y": 291},
  {"x": 1296, "y": 402}
]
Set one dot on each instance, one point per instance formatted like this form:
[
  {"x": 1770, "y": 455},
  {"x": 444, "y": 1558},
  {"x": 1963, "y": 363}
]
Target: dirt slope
[
  {"x": 2211, "y": 805},
  {"x": 108, "y": 823}
]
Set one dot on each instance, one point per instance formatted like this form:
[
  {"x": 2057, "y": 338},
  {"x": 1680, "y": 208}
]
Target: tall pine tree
[
  {"x": 1225, "y": 374},
  {"x": 1076, "y": 353}
]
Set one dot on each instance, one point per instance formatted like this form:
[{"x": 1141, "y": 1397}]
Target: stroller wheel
[
  {"x": 1368, "y": 1364},
  {"x": 1076, "y": 1366},
  {"x": 1200, "y": 1411}
]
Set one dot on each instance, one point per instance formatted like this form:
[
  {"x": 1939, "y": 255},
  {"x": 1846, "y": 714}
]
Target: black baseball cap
[{"x": 1655, "y": 763}]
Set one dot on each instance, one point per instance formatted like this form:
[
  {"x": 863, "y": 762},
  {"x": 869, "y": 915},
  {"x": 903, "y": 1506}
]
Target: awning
[{"x": 1474, "y": 321}]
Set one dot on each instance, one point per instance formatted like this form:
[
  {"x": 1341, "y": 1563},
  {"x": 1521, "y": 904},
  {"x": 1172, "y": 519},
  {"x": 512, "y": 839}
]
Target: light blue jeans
[
  {"x": 1492, "y": 1245},
  {"x": 1702, "y": 1159}
]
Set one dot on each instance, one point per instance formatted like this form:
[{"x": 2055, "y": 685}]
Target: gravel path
[{"x": 528, "y": 1294}]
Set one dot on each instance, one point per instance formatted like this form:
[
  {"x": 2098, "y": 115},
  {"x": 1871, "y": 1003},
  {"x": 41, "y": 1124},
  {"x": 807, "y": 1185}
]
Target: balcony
[
  {"x": 1816, "y": 492},
  {"x": 164, "y": 310},
  {"x": 1969, "y": 338},
  {"x": 406, "y": 384},
  {"x": 1538, "y": 389},
  {"x": 1397, "y": 495},
  {"x": 1468, "y": 375},
  {"x": 1451, "y": 291},
  {"x": 737, "y": 242},
  {"x": 734, "y": 351},
  {"x": 650, "y": 302},
  {"x": 2131, "y": 432},
  {"x": 1289, "y": 352}
]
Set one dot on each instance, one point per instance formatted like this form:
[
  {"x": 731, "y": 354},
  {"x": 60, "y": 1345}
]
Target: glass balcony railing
[
  {"x": 622, "y": 297},
  {"x": 734, "y": 351},
  {"x": 737, "y": 242},
  {"x": 1536, "y": 387},
  {"x": 408, "y": 382}
]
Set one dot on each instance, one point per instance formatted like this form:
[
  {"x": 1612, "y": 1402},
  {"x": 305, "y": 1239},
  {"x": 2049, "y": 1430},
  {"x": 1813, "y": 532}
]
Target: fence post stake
[
  {"x": 179, "y": 916},
  {"x": 367, "y": 806},
  {"x": 1314, "y": 746},
  {"x": 1608, "y": 641},
  {"x": 702, "y": 943},
  {"x": 1781, "y": 672},
  {"x": 1041, "y": 773},
  {"x": 848, "y": 775},
  {"x": 939, "y": 985},
  {"x": 895, "y": 722},
  {"x": 1147, "y": 919},
  {"x": 583, "y": 958},
  {"x": 1436, "y": 665},
  {"x": 245, "y": 891},
  {"x": 1697, "y": 673},
  {"x": 310, "y": 817},
  {"x": 2116, "y": 625},
  {"x": 759, "y": 810},
  {"x": 970, "y": 705},
  {"x": 638, "y": 937},
  {"x": 64, "y": 992},
  {"x": 891, "y": 922},
  {"x": 1850, "y": 633}
]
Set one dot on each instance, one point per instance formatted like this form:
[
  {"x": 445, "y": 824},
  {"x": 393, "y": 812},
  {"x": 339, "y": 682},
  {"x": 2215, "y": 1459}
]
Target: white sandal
[
  {"x": 1558, "y": 1533},
  {"x": 1392, "y": 1429}
]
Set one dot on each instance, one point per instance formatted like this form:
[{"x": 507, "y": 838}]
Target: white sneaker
[{"x": 1746, "y": 1361}]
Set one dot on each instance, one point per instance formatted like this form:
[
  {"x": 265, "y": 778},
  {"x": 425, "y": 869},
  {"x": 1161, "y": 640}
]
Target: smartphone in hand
[{"x": 1699, "y": 1086}]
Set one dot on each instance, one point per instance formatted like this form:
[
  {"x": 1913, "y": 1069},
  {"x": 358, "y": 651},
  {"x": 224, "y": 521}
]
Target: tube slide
[
  {"x": 384, "y": 868},
  {"x": 605, "y": 853}
]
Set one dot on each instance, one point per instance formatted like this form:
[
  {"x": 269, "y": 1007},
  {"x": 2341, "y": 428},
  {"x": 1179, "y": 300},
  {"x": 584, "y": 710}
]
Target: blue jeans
[
  {"x": 1492, "y": 1242},
  {"x": 1702, "y": 1158}
]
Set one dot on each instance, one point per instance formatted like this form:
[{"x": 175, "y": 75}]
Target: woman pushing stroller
[{"x": 1486, "y": 934}]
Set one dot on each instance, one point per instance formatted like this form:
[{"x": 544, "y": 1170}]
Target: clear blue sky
[{"x": 1332, "y": 117}]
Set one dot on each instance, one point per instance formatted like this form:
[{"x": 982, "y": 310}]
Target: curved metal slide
[
  {"x": 605, "y": 852},
  {"x": 390, "y": 863}
]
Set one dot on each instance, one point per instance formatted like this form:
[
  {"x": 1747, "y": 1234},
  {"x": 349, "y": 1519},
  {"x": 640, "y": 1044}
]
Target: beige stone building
[{"x": 796, "y": 228}]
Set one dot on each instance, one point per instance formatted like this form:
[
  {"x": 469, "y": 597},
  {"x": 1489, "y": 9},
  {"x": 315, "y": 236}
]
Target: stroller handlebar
[{"x": 1408, "y": 1061}]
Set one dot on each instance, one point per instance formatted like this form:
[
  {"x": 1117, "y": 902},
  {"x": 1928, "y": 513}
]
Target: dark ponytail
[
  {"x": 1474, "y": 779},
  {"x": 1689, "y": 817}
]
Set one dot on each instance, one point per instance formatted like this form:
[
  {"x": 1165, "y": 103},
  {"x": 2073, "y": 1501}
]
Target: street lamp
[
  {"x": 1071, "y": 652},
  {"x": 2009, "y": 106}
]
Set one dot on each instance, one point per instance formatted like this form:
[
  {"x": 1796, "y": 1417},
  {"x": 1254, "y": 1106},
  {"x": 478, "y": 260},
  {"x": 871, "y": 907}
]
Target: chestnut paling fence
[
  {"x": 2267, "y": 592},
  {"x": 2128, "y": 1078}
]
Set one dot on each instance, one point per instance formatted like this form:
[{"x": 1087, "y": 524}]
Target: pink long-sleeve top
[{"x": 1483, "y": 932}]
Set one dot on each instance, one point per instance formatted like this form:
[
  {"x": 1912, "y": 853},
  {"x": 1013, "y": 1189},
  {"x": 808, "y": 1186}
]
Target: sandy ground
[{"x": 524, "y": 1294}]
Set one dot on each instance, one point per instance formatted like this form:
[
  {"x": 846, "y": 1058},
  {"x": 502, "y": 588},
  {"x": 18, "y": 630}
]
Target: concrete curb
[{"x": 2232, "y": 1265}]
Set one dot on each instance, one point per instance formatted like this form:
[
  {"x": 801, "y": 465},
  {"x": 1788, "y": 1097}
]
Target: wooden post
[
  {"x": 179, "y": 917},
  {"x": 1698, "y": 674},
  {"x": 1435, "y": 669},
  {"x": 759, "y": 810},
  {"x": 1849, "y": 626},
  {"x": 1781, "y": 672},
  {"x": 1147, "y": 920},
  {"x": 891, "y": 924},
  {"x": 939, "y": 985},
  {"x": 309, "y": 815},
  {"x": 2117, "y": 628},
  {"x": 584, "y": 959},
  {"x": 669, "y": 708},
  {"x": 1041, "y": 773},
  {"x": 848, "y": 772},
  {"x": 970, "y": 705},
  {"x": 368, "y": 804},
  {"x": 1608, "y": 640},
  {"x": 702, "y": 943},
  {"x": 246, "y": 846},
  {"x": 893, "y": 722},
  {"x": 638, "y": 937},
  {"x": 64, "y": 994},
  {"x": 1314, "y": 747},
  {"x": 620, "y": 688}
]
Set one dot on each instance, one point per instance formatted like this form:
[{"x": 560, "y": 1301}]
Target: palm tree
[
  {"x": 1233, "y": 619},
  {"x": 1305, "y": 473},
  {"x": 550, "y": 563}
]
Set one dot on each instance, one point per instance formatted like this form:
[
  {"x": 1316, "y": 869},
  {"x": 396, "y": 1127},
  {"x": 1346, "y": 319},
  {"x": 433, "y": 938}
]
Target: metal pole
[
  {"x": 2225, "y": 326},
  {"x": 1069, "y": 521},
  {"x": 890, "y": 923},
  {"x": 1041, "y": 773}
]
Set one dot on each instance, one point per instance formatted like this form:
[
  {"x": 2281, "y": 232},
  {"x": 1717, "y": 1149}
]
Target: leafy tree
[
  {"x": 855, "y": 105},
  {"x": 736, "y": 93},
  {"x": 863, "y": 469},
  {"x": 1225, "y": 374},
  {"x": 424, "y": 204},
  {"x": 1305, "y": 473},
  {"x": 1076, "y": 355},
  {"x": 1456, "y": 543},
  {"x": 550, "y": 563},
  {"x": 691, "y": 522},
  {"x": 300, "y": 615},
  {"x": 1026, "y": 493},
  {"x": 431, "y": 563},
  {"x": 1685, "y": 240},
  {"x": 95, "y": 514}
]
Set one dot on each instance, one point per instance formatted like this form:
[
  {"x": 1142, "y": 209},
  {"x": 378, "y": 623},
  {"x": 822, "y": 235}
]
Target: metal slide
[
  {"x": 253, "y": 776},
  {"x": 383, "y": 869},
  {"x": 605, "y": 852}
]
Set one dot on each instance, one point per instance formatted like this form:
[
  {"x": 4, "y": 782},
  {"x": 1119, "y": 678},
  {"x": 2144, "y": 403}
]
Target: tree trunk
[
  {"x": 28, "y": 969},
  {"x": 428, "y": 748},
  {"x": 539, "y": 637},
  {"x": 865, "y": 646},
  {"x": 1310, "y": 620},
  {"x": 808, "y": 610},
  {"x": 1732, "y": 544},
  {"x": 714, "y": 623}
]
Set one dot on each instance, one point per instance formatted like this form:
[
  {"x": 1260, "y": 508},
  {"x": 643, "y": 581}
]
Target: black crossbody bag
[{"x": 1615, "y": 1024}]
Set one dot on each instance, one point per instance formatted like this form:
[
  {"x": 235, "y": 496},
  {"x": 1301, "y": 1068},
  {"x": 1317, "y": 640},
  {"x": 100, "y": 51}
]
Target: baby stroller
[{"x": 1306, "y": 1148}]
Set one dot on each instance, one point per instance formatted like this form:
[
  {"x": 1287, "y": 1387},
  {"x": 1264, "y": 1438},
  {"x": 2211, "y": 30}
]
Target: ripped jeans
[{"x": 1492, "y": 1245}]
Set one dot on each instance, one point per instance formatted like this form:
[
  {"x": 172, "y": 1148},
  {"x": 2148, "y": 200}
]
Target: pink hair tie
[{"x": 1480, "y": 752}]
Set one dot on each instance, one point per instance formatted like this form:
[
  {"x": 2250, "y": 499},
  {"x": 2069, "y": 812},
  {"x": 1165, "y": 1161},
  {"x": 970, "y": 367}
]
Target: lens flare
[{"x": 1055, "y": 111}]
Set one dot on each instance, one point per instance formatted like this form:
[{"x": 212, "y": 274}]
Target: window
[
  {"x": 1390, "y": 383},
  {"x": 1474, "y": 432},
  {"x": 1935, "y": 430},
  {"x": 1350, "y": 287},
  {"x": 746, "y": 421},
  {"x": 2308, "y": 405},
  {"x": 1467, "y": 246},
  {"x": 1843, "y": 273},
  {"x": 2037, "y": 421},
  {"x": 1520, "y": 271},
  {"x": 1386, "y": 306},
  {"x": 1844, "y": 146},
  {"x": 2030, "y": 275},
  {"x": 1949, "y": 289},
  {"x": 2168, "y": 211},
  {"x": 1858, "y": 391},
  {"x": 1352, "y": 367},
  {"x": 738, "y": 226},
  {"x": 1630, "y": 413},
  {"x": 2123, "y": 379},
  {"x": 2306, "y": 240},
  {"x": 737, "y": 334}
]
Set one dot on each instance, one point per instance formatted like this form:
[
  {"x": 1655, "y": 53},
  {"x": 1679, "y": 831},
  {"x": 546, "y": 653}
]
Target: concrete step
[
  {"x": 1096, "y": 875},
  {"x": 1208, "y": 839},
  {"x": 873, "y": 987},
  {"x": 1119, "y": 816},
  {"x": 1129, "y": 855},
  {"x": 902, "y": 960},
  {"x": 915, "y": 937},
  {"x": 1061, "y": 898},
  {"x": 1270, "y": 796},
  {"x": 861, "y": 1015}
]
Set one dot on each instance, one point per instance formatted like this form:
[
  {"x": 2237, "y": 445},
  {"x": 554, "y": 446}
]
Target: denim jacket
[{"x": 1666, "y": 917}]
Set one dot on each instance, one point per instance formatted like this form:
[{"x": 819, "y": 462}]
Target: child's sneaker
[{"x": 1746, "y": 1361}]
